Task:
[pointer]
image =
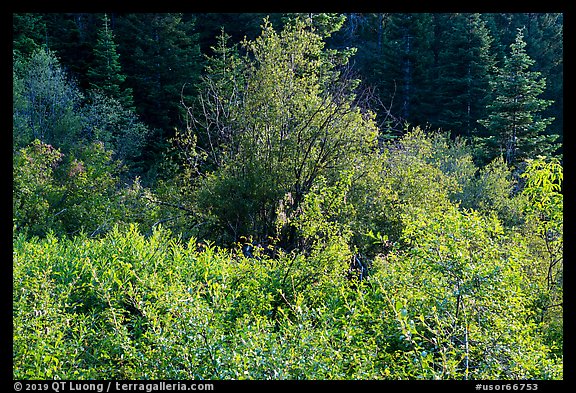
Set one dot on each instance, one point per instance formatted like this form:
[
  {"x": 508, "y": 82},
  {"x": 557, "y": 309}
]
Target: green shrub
[
  {"x": 126, "y": 306},
  {"x": 462, "y": 300},
  {"x": 79, "y": 191},
  {"x": 34, "y": 188}
]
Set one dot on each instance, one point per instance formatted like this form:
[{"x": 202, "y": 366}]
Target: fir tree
[
  {"x": 72, "y": 36},
  {"x": 163, "y": 64},
  {"x": 543, "y": 35},
  {"x": 28, "y": 33},
  {"x": 544, "y": 44},
  {"x": 106, "y": 74},
  {"x": 514, "y": 127},
  {"x": 406, "y": 65},
  {"x": 463, "y": 66},
  {"x": 322, "y": 23}
]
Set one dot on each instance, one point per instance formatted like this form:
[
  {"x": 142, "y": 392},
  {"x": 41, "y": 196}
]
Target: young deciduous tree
[
  {"x": 118, "y": 127},
  {"x": 286, "y": 114},
  {"x": 544, "y": 232},
  {"x": 46, "y": 102},
  {"x": 462, "y": 295}
]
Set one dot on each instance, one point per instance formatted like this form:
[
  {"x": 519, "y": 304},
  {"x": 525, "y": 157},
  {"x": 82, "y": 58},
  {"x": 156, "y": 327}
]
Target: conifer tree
[
  {"x": 514, "y": 127},
  {"x": 406, "y": 66},
  {"x": 106, "y": 73},
  {"x": 324, "y": 24},
  {"x": 72, "y": 36},
  {"x": 544, "y": 44},
  {"x": 163, "y": 63},
  {"x": 28, "y": 32},
  {"x": 543, "y": 35},
  {"x": 464, "y": 65}
]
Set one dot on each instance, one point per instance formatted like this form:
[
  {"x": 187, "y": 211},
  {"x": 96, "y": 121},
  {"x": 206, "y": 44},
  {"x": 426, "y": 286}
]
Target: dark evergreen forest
[{"x": 288, "y": 196}]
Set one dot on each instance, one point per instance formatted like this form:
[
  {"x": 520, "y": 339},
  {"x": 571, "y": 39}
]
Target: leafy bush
[
  {"x": 119, "y": 128},
  {"x": 491, "y": 190},
  {"x": 271, "y": 123},
  {"x": 34, "y": 189},
  {"x": 543, "y": 231},
  {"x": 462, "y": 300},
  {"x": 67, "y": 194},
  {"x": 46, "y": 102},
  {"x": 127, "y": 306}
]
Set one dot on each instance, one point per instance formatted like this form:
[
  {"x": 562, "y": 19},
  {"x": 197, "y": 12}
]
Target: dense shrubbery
[
  {"x": 455, "y": 295},
  {"x": 456, "y": 304},
  {"x": 69, "y": 193},
  {"x": 285, "y": 237}
]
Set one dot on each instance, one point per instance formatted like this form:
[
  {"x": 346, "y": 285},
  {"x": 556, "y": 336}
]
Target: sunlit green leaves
[
  {"x": 129, "y": 306},
  {"x": 462, "y": 280}
]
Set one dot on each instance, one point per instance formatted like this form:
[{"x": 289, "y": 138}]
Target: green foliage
[
  {"x": 130, "y": 307},
  {"x": 461, "y": 302},
  {"x": 544, "y": 188},
  {"x": 275, "y": 119},
  {"x": 162, "y": 62},
  {"x": 464, "y": 68},
  {"x": 106, "y": 73},
  {"x": 46, "y": 102},
  {"x": 322, "y": 229},
  {"x": 72, "y": 36},
  {"x": 28, "y": 30},
  {"x": 491, "y": 190},
  {"x": 408, "y": 57},
  {"x": 515, "y": 129},
  {"x": 544, "y": 233},
  {"x": 48, "y": 106},
  {"x": 34, "y": 189},
  {"x": 68, "y": 194},
  {"x": 324, "y": 24},
  {"x": 90, "y": 199},
  {"x": 242, "y": 259},
  {"x": 65, "y": 177},
  {"x": 414, "y": 178},
  {"x": 118, "y": 127},
  {"x": 543, "y": 33}
]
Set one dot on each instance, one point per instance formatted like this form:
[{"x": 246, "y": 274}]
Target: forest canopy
[{"x": 287, "y": 196}]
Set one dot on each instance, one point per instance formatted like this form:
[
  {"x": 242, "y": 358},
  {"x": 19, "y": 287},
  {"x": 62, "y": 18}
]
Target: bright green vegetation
[
  {"x": 460, "y": 302},
  {"x": 283, "y": 229},
  {"x": 458, "y": 294}
]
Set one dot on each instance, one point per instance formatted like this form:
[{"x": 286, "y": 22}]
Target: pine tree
[
  {"x": 106, "y": 75},
  {"x": 514, "y": 127},
  {"x": 72, "y": 36},
  {"x": 543, "y": 35},
  {"x": 544, "y": 44},
  {"x": 163, "y": 63},
  {"x": 237, "y": 25},
  {"x": 463, "y": 66},
  {"x": 324, "y": 24},
  {"x": 406, "y": 65},
  {"x": 28, "y": 33}
]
